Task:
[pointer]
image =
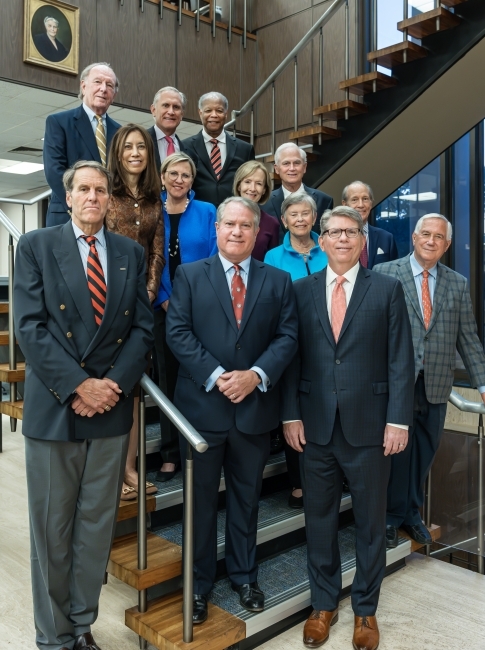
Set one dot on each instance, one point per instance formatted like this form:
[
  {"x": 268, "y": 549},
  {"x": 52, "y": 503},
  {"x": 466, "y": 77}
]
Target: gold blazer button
[
  {"x": 62, "y": 306},
  {"x": 69, "y": 335}
]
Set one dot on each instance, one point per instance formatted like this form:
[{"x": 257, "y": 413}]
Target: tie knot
[
  {"x": 340, "y": 279},
  {"x": 214, "y": 141},
  {"x": 237, "y": 269},
  {"x": 90, "y": 239},
  {"x": 425, "y": 274},
  {"x": 169, "y": 139},
  {"x": 99, "y": 118}
]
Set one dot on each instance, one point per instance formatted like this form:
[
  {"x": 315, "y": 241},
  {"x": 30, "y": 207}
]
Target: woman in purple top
[{"x": 253, "y": 182}]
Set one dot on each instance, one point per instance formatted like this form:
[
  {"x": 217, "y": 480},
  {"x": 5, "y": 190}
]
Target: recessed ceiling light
[{"x": 17, "y": 167}]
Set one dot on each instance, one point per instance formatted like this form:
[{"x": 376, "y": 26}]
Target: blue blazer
[
  {"x": 383, "y": 240},
  {"x": 69, "y": 137},
  {"x": 286, "y": 258},
  {"x": 197, "y": 239}
]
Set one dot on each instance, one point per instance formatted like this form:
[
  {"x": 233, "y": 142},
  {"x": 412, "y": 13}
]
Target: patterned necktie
[
  {"x": 96, "y": 281},
  {"x": 364, "y": 258},
  {"x": 426, "y": 296},
  {"x": 101, "y": 139},
  {"x": 238, "y": 294},
  {"x": 216, "y": 158},
  {"x": 171, "y": 146},
  {"x": 339, "y": 306}
]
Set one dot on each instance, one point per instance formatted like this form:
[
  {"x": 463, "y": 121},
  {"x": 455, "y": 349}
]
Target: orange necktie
[
  {"x": 426, "y": 297},
  {"x": 339, "y": 306},
  {"x": 96, "y": 280}
]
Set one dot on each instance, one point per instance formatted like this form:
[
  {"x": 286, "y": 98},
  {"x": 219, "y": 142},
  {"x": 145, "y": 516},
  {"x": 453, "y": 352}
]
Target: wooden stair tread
[
  {"x": 12, "y": 409},
  {"x": 3, "y": 337},
  {"x": 453, "y": 3},
  {"x": 164, "y": 561},
  {"x": 435, "y": 532},
  {"x": 129, "y": 509},
  {"x": 161, "y": 625},
  {"x": 3, "y": 307},
  {"x": 425, "y": 24},
  {"x": 312, "y": 134},
  {"x": 364, "y": 83},
  {"x": 398, "y": 54},
  {"x": 12, "y": 376},
  {"x": 336, "y": 110}
]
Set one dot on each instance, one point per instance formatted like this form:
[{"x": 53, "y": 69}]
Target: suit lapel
[
  {"x": 277, "y": 198},
  {"x": 406, "y": 277},
  {"x": 111, "y": 128},
  {"x": 181, "y": 146},
  {"x": 85, "y": 130},
  {"x": 362, "y": 284},
  {"x": 373, "y": 236},
  {"x": 319, "y": 291},
  {"x": 257, "y": 275},
  {"x": 217, "y": 278},
  {"x": 439, "y": 294},
  {"x": 202, "y": 153},
  {"x": 231, "y": 145},
  {"x": 153, "y": 135}
]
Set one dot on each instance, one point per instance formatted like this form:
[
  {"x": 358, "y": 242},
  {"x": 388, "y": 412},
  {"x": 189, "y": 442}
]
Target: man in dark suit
[
  {"x": 290, "y": 164},
  {"x": 347, "y": 405},
  {"x": 442, "y": 321},
  {"x": 84, "y": 323},
  {"x": 83, "y": 133},
  {"x": 216, "y": 153},
  {"x": 168, "y": 110},
  {"x": 380, "y": 245},
  {"x": 232, "y": 325}
]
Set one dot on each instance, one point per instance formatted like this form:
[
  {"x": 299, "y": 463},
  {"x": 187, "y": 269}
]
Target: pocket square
[{"x": 380, "y": 251}]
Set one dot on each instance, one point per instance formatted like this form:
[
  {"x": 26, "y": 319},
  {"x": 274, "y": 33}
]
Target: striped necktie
[
  {"x": 101, "y": 139},
  {"x": 96, "y": 281},
  {"x": 216, "y": 159}
]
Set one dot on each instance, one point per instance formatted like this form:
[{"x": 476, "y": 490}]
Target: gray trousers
[{"x": 73, "y": 493}]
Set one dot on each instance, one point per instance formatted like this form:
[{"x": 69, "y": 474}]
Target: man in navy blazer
[
  {"x": 168, "y": 109},
  {"x": 232, "y": 325},
  {"x": 70, "y": 135},
  {"x": 290, "y": 164},
  {"x": 380, "y": 245}
]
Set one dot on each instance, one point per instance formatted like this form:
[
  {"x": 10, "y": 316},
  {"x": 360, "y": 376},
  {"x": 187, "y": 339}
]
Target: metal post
[
  {"x": 296, "y": 93},
  {"x": 23, "y": 218},
  {"x": 273, "y": 119},
  {"x": 213, "y": 18},
  {"x": 374, "y": 41},
  {"x": 12, "y": 350},
  {"x": 197, "y": 15},
  {"x": 405, "y": 11},
  {"x": 142, "y": 5},
  {"x": 438, "y": 20},
  {"x": 142, "y": 506},
  {"x": 229, "y": 27},
  {"x": 188, "y": 547},
  {"x": 320, "y": 80},
  {"x": 245, "y": 25},
  {"x": 180, "y": 12},
  {"x": 251, "y": 137},
  {"x": 347, "y": 54},
  {"x": 481, "y": 514},
  {"x": 428, "y": 508},
  {"x": 160, "y": 9}
]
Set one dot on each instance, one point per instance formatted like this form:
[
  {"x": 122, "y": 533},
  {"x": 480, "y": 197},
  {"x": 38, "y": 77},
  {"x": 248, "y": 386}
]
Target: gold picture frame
[{"x": 51, "y": 35}]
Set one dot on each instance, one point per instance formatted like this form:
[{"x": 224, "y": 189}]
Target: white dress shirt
[
  {"x": 244, "y": 273},
  {"x": 163, "y": 143},
  {"x": 101, "y": 248},
  {"x": 287, "y": 193},
  {"x": 221, "y": 138},
  {"x": 94, "y": 121}
]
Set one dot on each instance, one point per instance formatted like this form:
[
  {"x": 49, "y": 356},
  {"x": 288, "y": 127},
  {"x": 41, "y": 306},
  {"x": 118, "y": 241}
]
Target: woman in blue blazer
[{"x": 190, "y": 235}]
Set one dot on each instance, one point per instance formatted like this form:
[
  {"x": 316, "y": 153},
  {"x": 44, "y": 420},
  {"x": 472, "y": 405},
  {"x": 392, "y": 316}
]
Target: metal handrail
[
  {"x": 464, "y": 404},
  {"x": 8, "y": 225},
  {"x": 36, "y": 199},
  {"x": 196, "y": 441}
]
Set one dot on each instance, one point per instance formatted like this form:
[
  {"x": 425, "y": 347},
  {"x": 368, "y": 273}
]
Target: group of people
[{"x": 295, "y": 315}]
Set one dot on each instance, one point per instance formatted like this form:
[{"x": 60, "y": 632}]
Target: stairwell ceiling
[{"x": 23, "y": 111}]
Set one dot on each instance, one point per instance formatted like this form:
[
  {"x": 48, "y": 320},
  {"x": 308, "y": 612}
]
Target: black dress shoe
[
  {"x": 276, "y": 445},
  {"x": 391, "y": 537},
  {"x": 419, "y": 533},
  {"x": 345, "y": 485},
  {"x": 163, "y": 477},
  {"x": 85, "y": 642},
  {"x": 200, "y": 609},
  {"x": 295, "y": 502},
  {"x": 250, "y": 596}
]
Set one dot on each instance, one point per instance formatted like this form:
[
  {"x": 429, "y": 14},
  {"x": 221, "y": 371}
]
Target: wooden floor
[{"x": 429, "y": 605}]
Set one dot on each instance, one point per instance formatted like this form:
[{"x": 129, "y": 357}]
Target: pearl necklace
[{"x": 174, "y": 253}]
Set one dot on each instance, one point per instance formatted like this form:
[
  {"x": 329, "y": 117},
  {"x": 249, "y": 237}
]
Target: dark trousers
[
  {"x": 243, "y": 458},
  {"x": 293, "y": 466},
  {"x": 168, "y": 368},
  {"x": 409, "y": 469},
  {"x": 367, "y": 471}
]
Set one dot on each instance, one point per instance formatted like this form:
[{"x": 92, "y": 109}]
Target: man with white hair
[
  {"x": 442, "y": 321},
  {"x": 216, "y": 153},
  {"x": 82, "y": 133},
  {"x": 290, "y": 165},
  {"x": 168, "y": 110}
]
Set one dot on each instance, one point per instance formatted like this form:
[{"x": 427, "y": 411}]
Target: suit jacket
[
  {"x": 275, "y": 201},
  {"x": 380, "y": 239},
  {"x": 153, "y": 135},
  {"x": 368, "y": 373},
  {"x": 69, "y": 137},
  {"x": 55, "y": 327},
  {"x": 203, "y": 334},
  {"x": 452, "y": 327},
  {"x": 206, "y": 186}
]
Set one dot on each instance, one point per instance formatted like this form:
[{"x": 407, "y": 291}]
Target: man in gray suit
[
  {"x": 84, "y": 323},
  {"x": 441, "y": 315}
]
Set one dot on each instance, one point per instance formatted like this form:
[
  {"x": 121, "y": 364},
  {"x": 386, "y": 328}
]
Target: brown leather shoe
[
  {"x": 317, "y": 627},
  {"x": 85, "y": 642},
  {"x": 366, "y": 633}
]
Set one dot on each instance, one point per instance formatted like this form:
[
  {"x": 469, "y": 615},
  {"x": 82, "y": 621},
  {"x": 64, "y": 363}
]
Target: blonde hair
[
  {"x": 176, "y": 158},
  {"x": 248, "y": 168}
]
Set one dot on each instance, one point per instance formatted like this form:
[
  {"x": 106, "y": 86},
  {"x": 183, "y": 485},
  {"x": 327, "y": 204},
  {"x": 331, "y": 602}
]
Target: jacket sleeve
[
  {"x": 156, "y": 258},
  {"x": 55, "y": 157}
]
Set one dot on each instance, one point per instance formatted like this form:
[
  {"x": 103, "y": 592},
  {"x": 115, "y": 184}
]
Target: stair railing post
[
  {"x": 160, "y": 9},
  {"x": 320, "y": 80},
  {"x": 405, "y": 11},
  {"x": 428, "y": 507},
  {"x": 251, "y": 133},
  {"x": 375, "y": 39},
  {"x": 273, "y": 119},
  {"x": 347, "y": 54},
  {"x": 179, "y": 12},
  {"x": 12, "y": 349},
  {"x": 296, "y": 94},
  {"x": 229, "y": 26},
  {"x": 188, "y": 548},
  {"x": 481, "y": 513},
  {"x": 142, "y": 506},
  {"x": 142, "y": 5},
  {"x": 214, "y": 18},
  {"x": 245, "y": 25},
  {"x": 438, "y": 20},
  {"x": 197, "y": 15}
]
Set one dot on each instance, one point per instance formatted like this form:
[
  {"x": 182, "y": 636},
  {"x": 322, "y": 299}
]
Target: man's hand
[
  {"x": 237, "y": 384},
  {"x": 98, "y": 394},
  {"x": 294, "y": 434},
  {"x": 395, "y": 440},
  {"x": 80, "y": 408}
]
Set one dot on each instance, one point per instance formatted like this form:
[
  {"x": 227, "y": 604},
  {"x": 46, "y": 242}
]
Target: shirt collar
[
  {"x": 287, "y": 193},
  {"x": 245, "y": 264},
  {"x": 100, "y": 236},
  {"x": 221, "y": 137},
  {"x": 161, "y": 135},
  {"x": 91, "y": 114},
  {"x": 350, "y": 276},
  {"x": 417, "y": 269}
]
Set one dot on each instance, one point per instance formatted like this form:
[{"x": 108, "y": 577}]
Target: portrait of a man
[{"x": 47, "y": 43}]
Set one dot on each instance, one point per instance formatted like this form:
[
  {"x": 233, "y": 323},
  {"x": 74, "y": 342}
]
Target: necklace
[
  {"x": 306, "y": 249},
  {"x": 175, "y": 250}
]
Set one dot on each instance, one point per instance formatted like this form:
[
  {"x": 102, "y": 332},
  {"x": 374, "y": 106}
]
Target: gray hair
[
  {"x": 295, "y": 199},
  {"x": 87, "y": 70},
  {"x": 288, "y": 145},
  {"x": 345, "y": 192},
  {"x": 49, "y": 18},
  {"x": 341, "y": 211},
  {"x": 419, "y": 225},
  {"x": 214, "y": 95},
  {"x": 250, "y": 205},
  {"x": 68, "y": 176},
  {"x": 166, "y": 89}
]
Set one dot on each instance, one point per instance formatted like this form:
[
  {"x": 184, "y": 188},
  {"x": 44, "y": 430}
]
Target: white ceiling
[{"x": 22, "y": 120}]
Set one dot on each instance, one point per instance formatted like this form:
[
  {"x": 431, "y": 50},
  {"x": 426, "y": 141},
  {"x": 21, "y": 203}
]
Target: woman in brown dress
[{"x": 136, "y": 212}]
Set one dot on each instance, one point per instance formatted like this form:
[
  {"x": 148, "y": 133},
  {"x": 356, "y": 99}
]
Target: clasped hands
[
  {"x": 237, "y": 384},
  {"x": 95, "y": 396}
]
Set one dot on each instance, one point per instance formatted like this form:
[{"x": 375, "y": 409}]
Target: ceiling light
[
  {"x": 17, "y": 167},
  {"x": 423, "y": 196}
]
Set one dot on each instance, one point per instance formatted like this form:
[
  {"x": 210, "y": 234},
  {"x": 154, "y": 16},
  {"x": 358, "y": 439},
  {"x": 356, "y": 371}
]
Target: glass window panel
[{"x": 461, "y": 206}]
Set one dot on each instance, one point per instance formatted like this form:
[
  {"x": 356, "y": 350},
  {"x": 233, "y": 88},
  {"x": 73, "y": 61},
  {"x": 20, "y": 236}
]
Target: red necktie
[
  {"x": 339, "y": 306},
  {"x": 364, "y": 258},
  {"x": 238, "y": 294},
  {"x": 171, "y": 146},
  {"x": 216, "y": 159},
  {"x": 426, "y": 296},
  {"x": 96, "y": 281}
]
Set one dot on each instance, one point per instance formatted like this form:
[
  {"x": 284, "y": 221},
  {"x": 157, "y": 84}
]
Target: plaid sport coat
[{"x": 452, "y": 327}]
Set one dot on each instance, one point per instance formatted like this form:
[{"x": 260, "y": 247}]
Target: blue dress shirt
[
  {"x": 93, "y": 119},
  {"x": 101, "y": 248}
]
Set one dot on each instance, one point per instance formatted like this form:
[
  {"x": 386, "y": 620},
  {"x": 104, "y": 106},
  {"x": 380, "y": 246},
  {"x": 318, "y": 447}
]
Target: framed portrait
[{"x": 51, "y": 35}]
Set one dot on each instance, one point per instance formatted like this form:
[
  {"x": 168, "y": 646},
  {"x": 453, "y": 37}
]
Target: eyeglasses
[
  {"x": 336, "y": 233},
  {"x": 173, "y": 176}
]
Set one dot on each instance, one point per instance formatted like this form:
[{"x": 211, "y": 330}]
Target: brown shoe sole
[
  {"x": 319, "y": 645},
  {"x": 356, "y": 648}
]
